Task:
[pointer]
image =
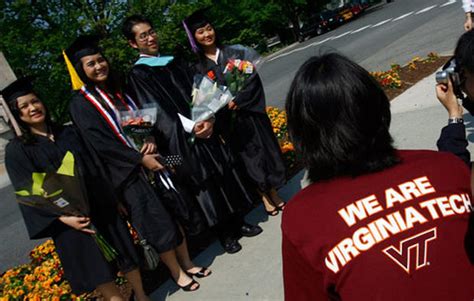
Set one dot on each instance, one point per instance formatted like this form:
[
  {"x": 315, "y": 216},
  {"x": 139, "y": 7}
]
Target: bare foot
[
  {"x": 199, "y": 272},
  {"x": 271, "y": 209}
]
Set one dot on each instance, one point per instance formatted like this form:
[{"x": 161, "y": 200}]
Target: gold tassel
[{"x": 75, "y": 79}]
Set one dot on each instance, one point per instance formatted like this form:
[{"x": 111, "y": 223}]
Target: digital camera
[{"x": 450, "y": 71}]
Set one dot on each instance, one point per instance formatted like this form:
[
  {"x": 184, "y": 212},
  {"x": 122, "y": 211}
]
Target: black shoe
[
  {"x": 231, "y": 246},
  {"x": 248, "y": 230}
]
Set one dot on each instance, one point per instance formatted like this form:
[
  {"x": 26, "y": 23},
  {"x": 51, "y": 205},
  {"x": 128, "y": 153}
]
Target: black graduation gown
[
  {"x": 84, "y": 265},
  {"x": 248, "y": 130},
  {"x": 207, "y": 172},
  {"x": 123, "y": 167}
]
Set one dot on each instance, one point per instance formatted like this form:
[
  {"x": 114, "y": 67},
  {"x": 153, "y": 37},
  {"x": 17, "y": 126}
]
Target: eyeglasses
[{"x": 145, "y": 35}]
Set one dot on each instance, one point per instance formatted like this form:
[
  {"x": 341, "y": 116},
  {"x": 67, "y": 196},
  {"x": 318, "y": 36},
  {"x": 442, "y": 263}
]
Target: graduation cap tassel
[
  {"x": 75, "y": 79},
  {"x": 194, "y": 47}
]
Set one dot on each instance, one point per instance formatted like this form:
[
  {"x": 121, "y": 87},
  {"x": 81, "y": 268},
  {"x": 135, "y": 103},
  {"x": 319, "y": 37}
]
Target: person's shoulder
[
  {"x": 76, "y": 96},
  {"x": 141, "y": 71},
  {"x": 436, "y": 157},
  {"x": 79, "y": 106},
  {"x": 67, "y": 129},
  {"x": 139, "y": 68},
  {"x": 434, "y": 163},
  {"x": 14, "y": 144},
  {"x": 14, "y": 149},
  {"x": 312, "y": 195}
]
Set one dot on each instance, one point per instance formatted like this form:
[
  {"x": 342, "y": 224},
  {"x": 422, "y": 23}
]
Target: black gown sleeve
[
  {"x": 39, "y": 223},
  {"x": 252, "y": 96},
  {"x": 120, "y": 160},
  {"x": 453, "y": 140}
]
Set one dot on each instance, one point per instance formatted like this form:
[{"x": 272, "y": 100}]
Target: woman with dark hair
[
  {"x": 376, "y": 223},
  {"x": 244, "y": 125},
  {"x": 94, "y": 111},
  {"x": 41, "y": 148}
]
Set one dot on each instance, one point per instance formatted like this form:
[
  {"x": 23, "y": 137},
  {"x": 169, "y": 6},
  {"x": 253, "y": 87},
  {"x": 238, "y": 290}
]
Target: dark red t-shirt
[{"x": 398, "y": 234}]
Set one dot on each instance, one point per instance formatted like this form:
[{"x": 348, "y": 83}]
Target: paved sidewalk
[{"x": 255, "y": 273}]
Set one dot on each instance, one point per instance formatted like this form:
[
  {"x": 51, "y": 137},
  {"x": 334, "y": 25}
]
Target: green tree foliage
[{"x": 34, "y": 33}]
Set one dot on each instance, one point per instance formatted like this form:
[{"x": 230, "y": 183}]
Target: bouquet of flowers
[
  {"x": 62, "y": 193},
  {"x": 236, "y": 73},
  {"x": 208, "y": 98},
  {"x": 138, "y": 124},
  {"x": 238, "y": 70}
]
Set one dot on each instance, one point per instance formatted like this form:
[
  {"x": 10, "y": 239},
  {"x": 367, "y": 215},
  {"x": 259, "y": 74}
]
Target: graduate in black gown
[
  {"x": 207, "y": 172},
  {"x": 41, "y": 148},
  {"x": 244, "y": 125},
  {"x": 154, "y": 213}
]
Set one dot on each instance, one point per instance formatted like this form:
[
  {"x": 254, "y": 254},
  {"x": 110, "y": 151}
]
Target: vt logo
[{"x": 412, "y": 253}]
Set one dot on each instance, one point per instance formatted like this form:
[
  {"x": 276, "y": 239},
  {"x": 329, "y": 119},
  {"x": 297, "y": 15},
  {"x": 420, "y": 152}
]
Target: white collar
[
  {"x": 218, "y": 51},
  {"x": 149, "y": 55}
]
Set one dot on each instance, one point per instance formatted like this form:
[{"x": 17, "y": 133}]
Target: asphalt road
[
  {"x": 391, "y": 33},
  {"x": 14, "y": 243}
]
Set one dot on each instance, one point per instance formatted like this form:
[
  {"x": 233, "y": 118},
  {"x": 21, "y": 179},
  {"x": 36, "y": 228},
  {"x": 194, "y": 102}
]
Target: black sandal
[
  {"x": 188, "y": 287},
  {"x": 273, "y": 212},
  {"x": 201, "y": 273},
  {"x": 281, "y": 207}
]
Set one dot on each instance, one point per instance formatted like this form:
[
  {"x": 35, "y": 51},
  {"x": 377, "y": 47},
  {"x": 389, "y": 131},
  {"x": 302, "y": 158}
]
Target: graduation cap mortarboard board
[
  {"x": 83, "y": 46},
  {"x": 197, "y": 19},
  {"x": 194, "y": 21},
  {"x": 20, "y": 87}
]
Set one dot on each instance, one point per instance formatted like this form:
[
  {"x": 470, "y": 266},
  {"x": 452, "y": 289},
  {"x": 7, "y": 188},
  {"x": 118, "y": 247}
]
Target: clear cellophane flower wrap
[
  {"x": 63, "y": 193},
  {"x": 240, "y": 67},
  {"x": 208, "y": 98},
  {"x": 138, "y": 124}
]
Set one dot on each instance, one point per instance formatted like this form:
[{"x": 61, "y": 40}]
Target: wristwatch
[{"x": 455, "y": 120}]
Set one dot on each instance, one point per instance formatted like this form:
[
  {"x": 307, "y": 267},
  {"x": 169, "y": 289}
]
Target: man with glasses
[{"x": 207, "y": 173}]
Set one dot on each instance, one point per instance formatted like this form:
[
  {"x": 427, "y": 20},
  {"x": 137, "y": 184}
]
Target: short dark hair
[
  {"x": 464, "y": 52},
  {"x": 338, "y": 119},
  {"x": 127, "y": 26}
]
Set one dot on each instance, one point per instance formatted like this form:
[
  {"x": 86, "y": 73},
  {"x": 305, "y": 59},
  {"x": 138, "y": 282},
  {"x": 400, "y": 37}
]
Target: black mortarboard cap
[
  {"x": 83, "y": 46},
  {"x": 20, "y": 87},
  {"x": 197, "y": 19}
]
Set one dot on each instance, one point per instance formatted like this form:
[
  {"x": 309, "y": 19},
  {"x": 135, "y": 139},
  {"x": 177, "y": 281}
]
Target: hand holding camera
[
  {"x": 448, "y": 89},
  {"x": 448, "y": 99}
]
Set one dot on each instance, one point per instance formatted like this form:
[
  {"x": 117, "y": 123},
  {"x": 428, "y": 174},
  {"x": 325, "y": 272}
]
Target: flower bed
[
  {"x": 398, "y": 79},
  {"x": 41, "y": 279},
  {"x": 279, "y": 125}
]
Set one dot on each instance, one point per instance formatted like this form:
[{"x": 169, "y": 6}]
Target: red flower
[
  {"x": 230, "y": 66},
  {"x": 211, "y": 75}
]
